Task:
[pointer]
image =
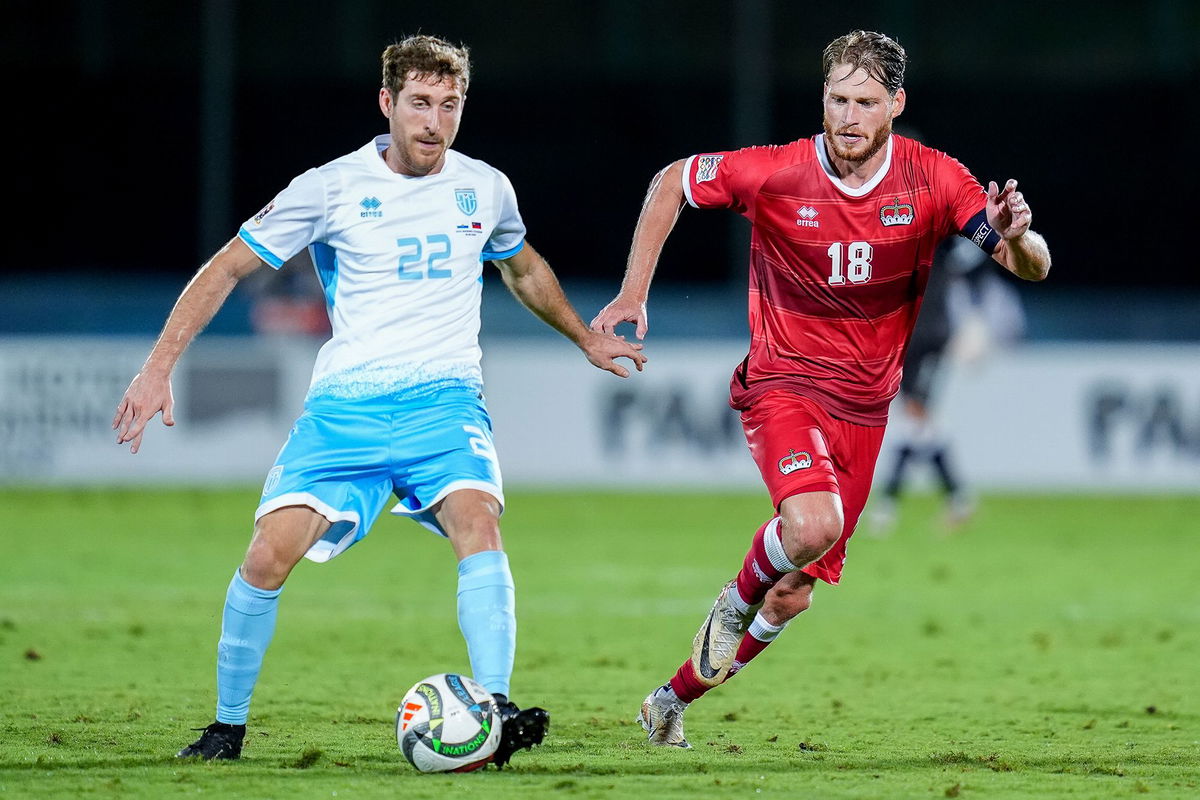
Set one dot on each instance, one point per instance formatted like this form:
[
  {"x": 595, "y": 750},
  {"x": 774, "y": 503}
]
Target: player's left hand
[
  {"x": 603, "y": 350},
  {"x": 1007, "y": 212}
]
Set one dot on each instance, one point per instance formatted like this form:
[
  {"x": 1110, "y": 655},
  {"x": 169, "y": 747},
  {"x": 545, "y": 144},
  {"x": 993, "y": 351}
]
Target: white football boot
[
  {"x": 717, "y": 641},
  {"x": 662, "y": 718}
]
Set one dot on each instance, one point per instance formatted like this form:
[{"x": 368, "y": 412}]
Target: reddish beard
[{"x": 873, "y": 146}]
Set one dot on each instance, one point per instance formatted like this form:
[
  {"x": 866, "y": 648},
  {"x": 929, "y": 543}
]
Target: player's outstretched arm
[
  {"x": 1023, "y": 252},
  {"x": 150, "y": 391},
  {"x": 660, "y": 210},
  {"x": 531, "y": 280}
]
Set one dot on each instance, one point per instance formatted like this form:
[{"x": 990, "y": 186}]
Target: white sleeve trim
[{"x": 687, "y": 184}]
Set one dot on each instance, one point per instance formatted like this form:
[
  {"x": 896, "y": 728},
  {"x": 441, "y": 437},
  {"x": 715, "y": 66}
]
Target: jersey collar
[{"x": 827, "y": 168}]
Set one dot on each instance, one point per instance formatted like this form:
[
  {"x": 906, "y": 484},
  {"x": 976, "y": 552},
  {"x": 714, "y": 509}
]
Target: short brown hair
[
  {"x": 881, "y": 56},
  {"x": 427, "y": 56}
]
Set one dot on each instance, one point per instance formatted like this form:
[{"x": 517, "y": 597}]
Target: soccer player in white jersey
[{"x": 398, "y": 231}]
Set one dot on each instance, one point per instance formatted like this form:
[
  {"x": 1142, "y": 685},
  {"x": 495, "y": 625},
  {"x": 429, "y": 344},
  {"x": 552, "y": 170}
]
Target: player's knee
[
  {"x": 471, "y": 519},
  {"x": 267, "y": 563},
  {"x": 484, "y": 531},
  {"x": 808, "y": 534},
  {"x": 263, "y": 571}
]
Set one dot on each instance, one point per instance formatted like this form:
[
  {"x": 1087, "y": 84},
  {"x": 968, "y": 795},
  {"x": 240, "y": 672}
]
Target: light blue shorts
[{"x": 343, "y": 458}]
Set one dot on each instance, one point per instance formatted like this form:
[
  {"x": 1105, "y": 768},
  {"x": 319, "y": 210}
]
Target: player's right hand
[
  {"x": 622, "y": 310},
  {"x": 148, "y": 394},
  {"x": 603, "y": 350}
]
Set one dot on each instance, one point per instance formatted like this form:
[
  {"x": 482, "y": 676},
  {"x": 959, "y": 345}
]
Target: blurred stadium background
[{"x": 146, "y": 132}]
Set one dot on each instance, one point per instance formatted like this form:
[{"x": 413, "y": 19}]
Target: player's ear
[
  {"x": 898, "y": 103},
  {"x": 386, "y": 101}
]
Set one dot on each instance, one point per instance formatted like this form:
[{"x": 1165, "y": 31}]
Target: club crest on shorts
[
  {"x": 465, "y": 198},
  {"x": 794, "y": 461},
  {"x": 897, "y": 213},
  {"x": 272, "y": 479}
]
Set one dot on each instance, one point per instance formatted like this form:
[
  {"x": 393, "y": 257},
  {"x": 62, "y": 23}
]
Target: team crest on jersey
[
  {"x": 370, "y": 208},
  {"x": 706, "y": 168},
  {"x": 794, "y": 461},
  {"x": 465, "y": 198},
  {"x": 806, "y": 217},
  {"x": 258, "y": 218},
  {"x": 897, "y": 213}
]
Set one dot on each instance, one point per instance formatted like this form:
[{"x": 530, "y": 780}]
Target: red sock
[
  {"x": 688, "y": 688},
  {"x": 757, "y": 575},
  {"x": 685, "y": 683}
]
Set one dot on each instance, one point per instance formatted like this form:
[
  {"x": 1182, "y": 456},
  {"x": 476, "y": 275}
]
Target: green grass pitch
[{"x": 1050, "y": 649}]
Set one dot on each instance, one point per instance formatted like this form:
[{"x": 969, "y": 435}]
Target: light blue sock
[
  {"x": 487, "y": 617},
  {"x": 246, "y": 630}
]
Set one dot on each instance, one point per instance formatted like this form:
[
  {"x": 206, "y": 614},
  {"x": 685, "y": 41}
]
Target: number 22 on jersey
[
  {"x": 852, "y": 261},
  {"x": 438, "y": 250}
]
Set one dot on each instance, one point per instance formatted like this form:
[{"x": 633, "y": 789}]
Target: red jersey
[{"x": 837, "y": 273}]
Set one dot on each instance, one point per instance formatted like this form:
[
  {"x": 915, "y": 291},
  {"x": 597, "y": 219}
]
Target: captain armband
[{"x": 980, "y": 233}]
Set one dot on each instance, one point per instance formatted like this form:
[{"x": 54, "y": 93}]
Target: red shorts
[{"x": 799, "y": 448}]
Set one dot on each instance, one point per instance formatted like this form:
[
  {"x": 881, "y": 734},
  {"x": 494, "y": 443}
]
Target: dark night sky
[{"x": 1090, "y": 105}]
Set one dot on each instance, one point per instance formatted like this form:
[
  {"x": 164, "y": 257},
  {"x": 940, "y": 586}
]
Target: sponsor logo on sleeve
[
  {"x": 897, "y": 213},
  {"x": 706, "y": 168},
  {"x": 267, "y": 209},
  {"x": 794, "y": 461}
]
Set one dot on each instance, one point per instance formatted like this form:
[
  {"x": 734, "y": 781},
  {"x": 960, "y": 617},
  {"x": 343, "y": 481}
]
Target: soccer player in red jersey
[{"x": 844, "y": 230}]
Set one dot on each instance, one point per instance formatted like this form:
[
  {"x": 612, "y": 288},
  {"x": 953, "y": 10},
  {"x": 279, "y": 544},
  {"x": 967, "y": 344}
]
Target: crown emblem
[
  {"x": 794, "y": 461},
  {"x": 897, "y": 213}
]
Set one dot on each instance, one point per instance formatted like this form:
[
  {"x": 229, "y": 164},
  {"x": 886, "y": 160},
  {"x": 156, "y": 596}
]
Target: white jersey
[{"x": 401, "y": 261}]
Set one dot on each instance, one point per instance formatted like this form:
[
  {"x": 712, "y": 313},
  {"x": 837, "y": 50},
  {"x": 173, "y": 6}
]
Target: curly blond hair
[{"x": 426, "y": 56}]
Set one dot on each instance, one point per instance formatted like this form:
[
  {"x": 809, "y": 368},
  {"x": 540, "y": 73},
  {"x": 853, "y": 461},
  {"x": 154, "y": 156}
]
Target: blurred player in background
[
  {"x": 398, "y": 231},
  {"x": 844, "y": 228},
  {"x": 966, "y": 311},
  {"x": 289, "y": 301}
]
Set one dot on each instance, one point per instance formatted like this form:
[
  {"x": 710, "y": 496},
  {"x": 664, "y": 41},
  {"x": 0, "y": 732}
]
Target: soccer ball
[{"x": 448, "y": 723}]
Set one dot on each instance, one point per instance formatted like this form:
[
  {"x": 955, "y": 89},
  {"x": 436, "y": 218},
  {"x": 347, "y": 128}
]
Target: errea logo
[
  {"x": 370, "y": 208},
  {"x": 807, "y": 217}
]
